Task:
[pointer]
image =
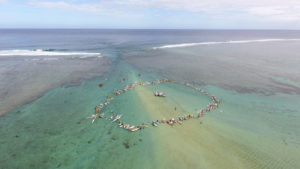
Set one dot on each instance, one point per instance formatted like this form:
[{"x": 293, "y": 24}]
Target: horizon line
[{"x": 149, "y": 29}]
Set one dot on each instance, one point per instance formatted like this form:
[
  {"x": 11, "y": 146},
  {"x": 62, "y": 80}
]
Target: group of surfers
[
  {"x": 160, "y": 94},
  {"x": 133, "y": 128},
  {"x": 180, "y": 118},
  {"x": 154, "y": 123}
]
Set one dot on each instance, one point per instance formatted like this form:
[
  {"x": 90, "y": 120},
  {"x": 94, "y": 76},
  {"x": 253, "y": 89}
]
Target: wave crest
[
  {"x": 41, "y": 52},
  {"x": 225, "y": 42}
]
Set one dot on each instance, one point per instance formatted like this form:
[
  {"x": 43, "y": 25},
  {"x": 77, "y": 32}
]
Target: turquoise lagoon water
[{"x": 255, "y": 126}]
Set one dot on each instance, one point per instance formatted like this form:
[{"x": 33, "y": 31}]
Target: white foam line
[
  {"x": 83, "y": 57},
  {"x": 227, "y": 42},
  {"x": 51, "y": 59},
  {"x": 41, "y": 53},
  {"x": 47, "y": 54}
]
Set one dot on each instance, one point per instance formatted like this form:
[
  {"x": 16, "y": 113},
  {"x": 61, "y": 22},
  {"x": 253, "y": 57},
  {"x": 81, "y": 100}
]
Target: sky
[{"x": 151, "y": 14}]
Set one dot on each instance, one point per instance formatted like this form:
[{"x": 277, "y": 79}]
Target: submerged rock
[{"x": 126, "y": 145}]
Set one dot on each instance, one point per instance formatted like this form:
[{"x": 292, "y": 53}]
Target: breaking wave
[
  {"x": 41, "y": 52},
  {"x": 225, "y": 42}
]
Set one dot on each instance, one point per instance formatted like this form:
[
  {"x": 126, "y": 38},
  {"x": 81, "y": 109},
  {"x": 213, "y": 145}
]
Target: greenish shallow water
[
  {"x": 53, "y": 131},
  {"x": 256, "y": 126}
]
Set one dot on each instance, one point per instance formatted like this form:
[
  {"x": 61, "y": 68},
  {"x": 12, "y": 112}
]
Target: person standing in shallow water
[{"x": 175, "y": 108}]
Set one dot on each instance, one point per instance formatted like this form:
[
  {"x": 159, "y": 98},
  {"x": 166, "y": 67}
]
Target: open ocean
[{"x": 49, "y": 85}]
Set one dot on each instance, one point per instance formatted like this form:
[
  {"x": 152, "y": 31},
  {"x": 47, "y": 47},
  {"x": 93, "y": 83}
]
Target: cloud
[
  {"x": 67, "y": 6},
  {"x": 3, "y": 1},
  {"x": 267, "y": 10},
  {"x": 255, "y": 9},
  {"x": 282, "y": 13},
  {"x": 103, "y": 8}
]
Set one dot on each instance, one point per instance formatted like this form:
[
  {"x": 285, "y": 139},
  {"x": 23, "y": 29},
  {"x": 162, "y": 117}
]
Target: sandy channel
[{"x": 212, "y": 144}]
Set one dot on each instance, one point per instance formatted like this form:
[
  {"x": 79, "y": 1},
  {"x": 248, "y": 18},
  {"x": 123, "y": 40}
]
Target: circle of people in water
[{"x": 173, "y": 121}]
